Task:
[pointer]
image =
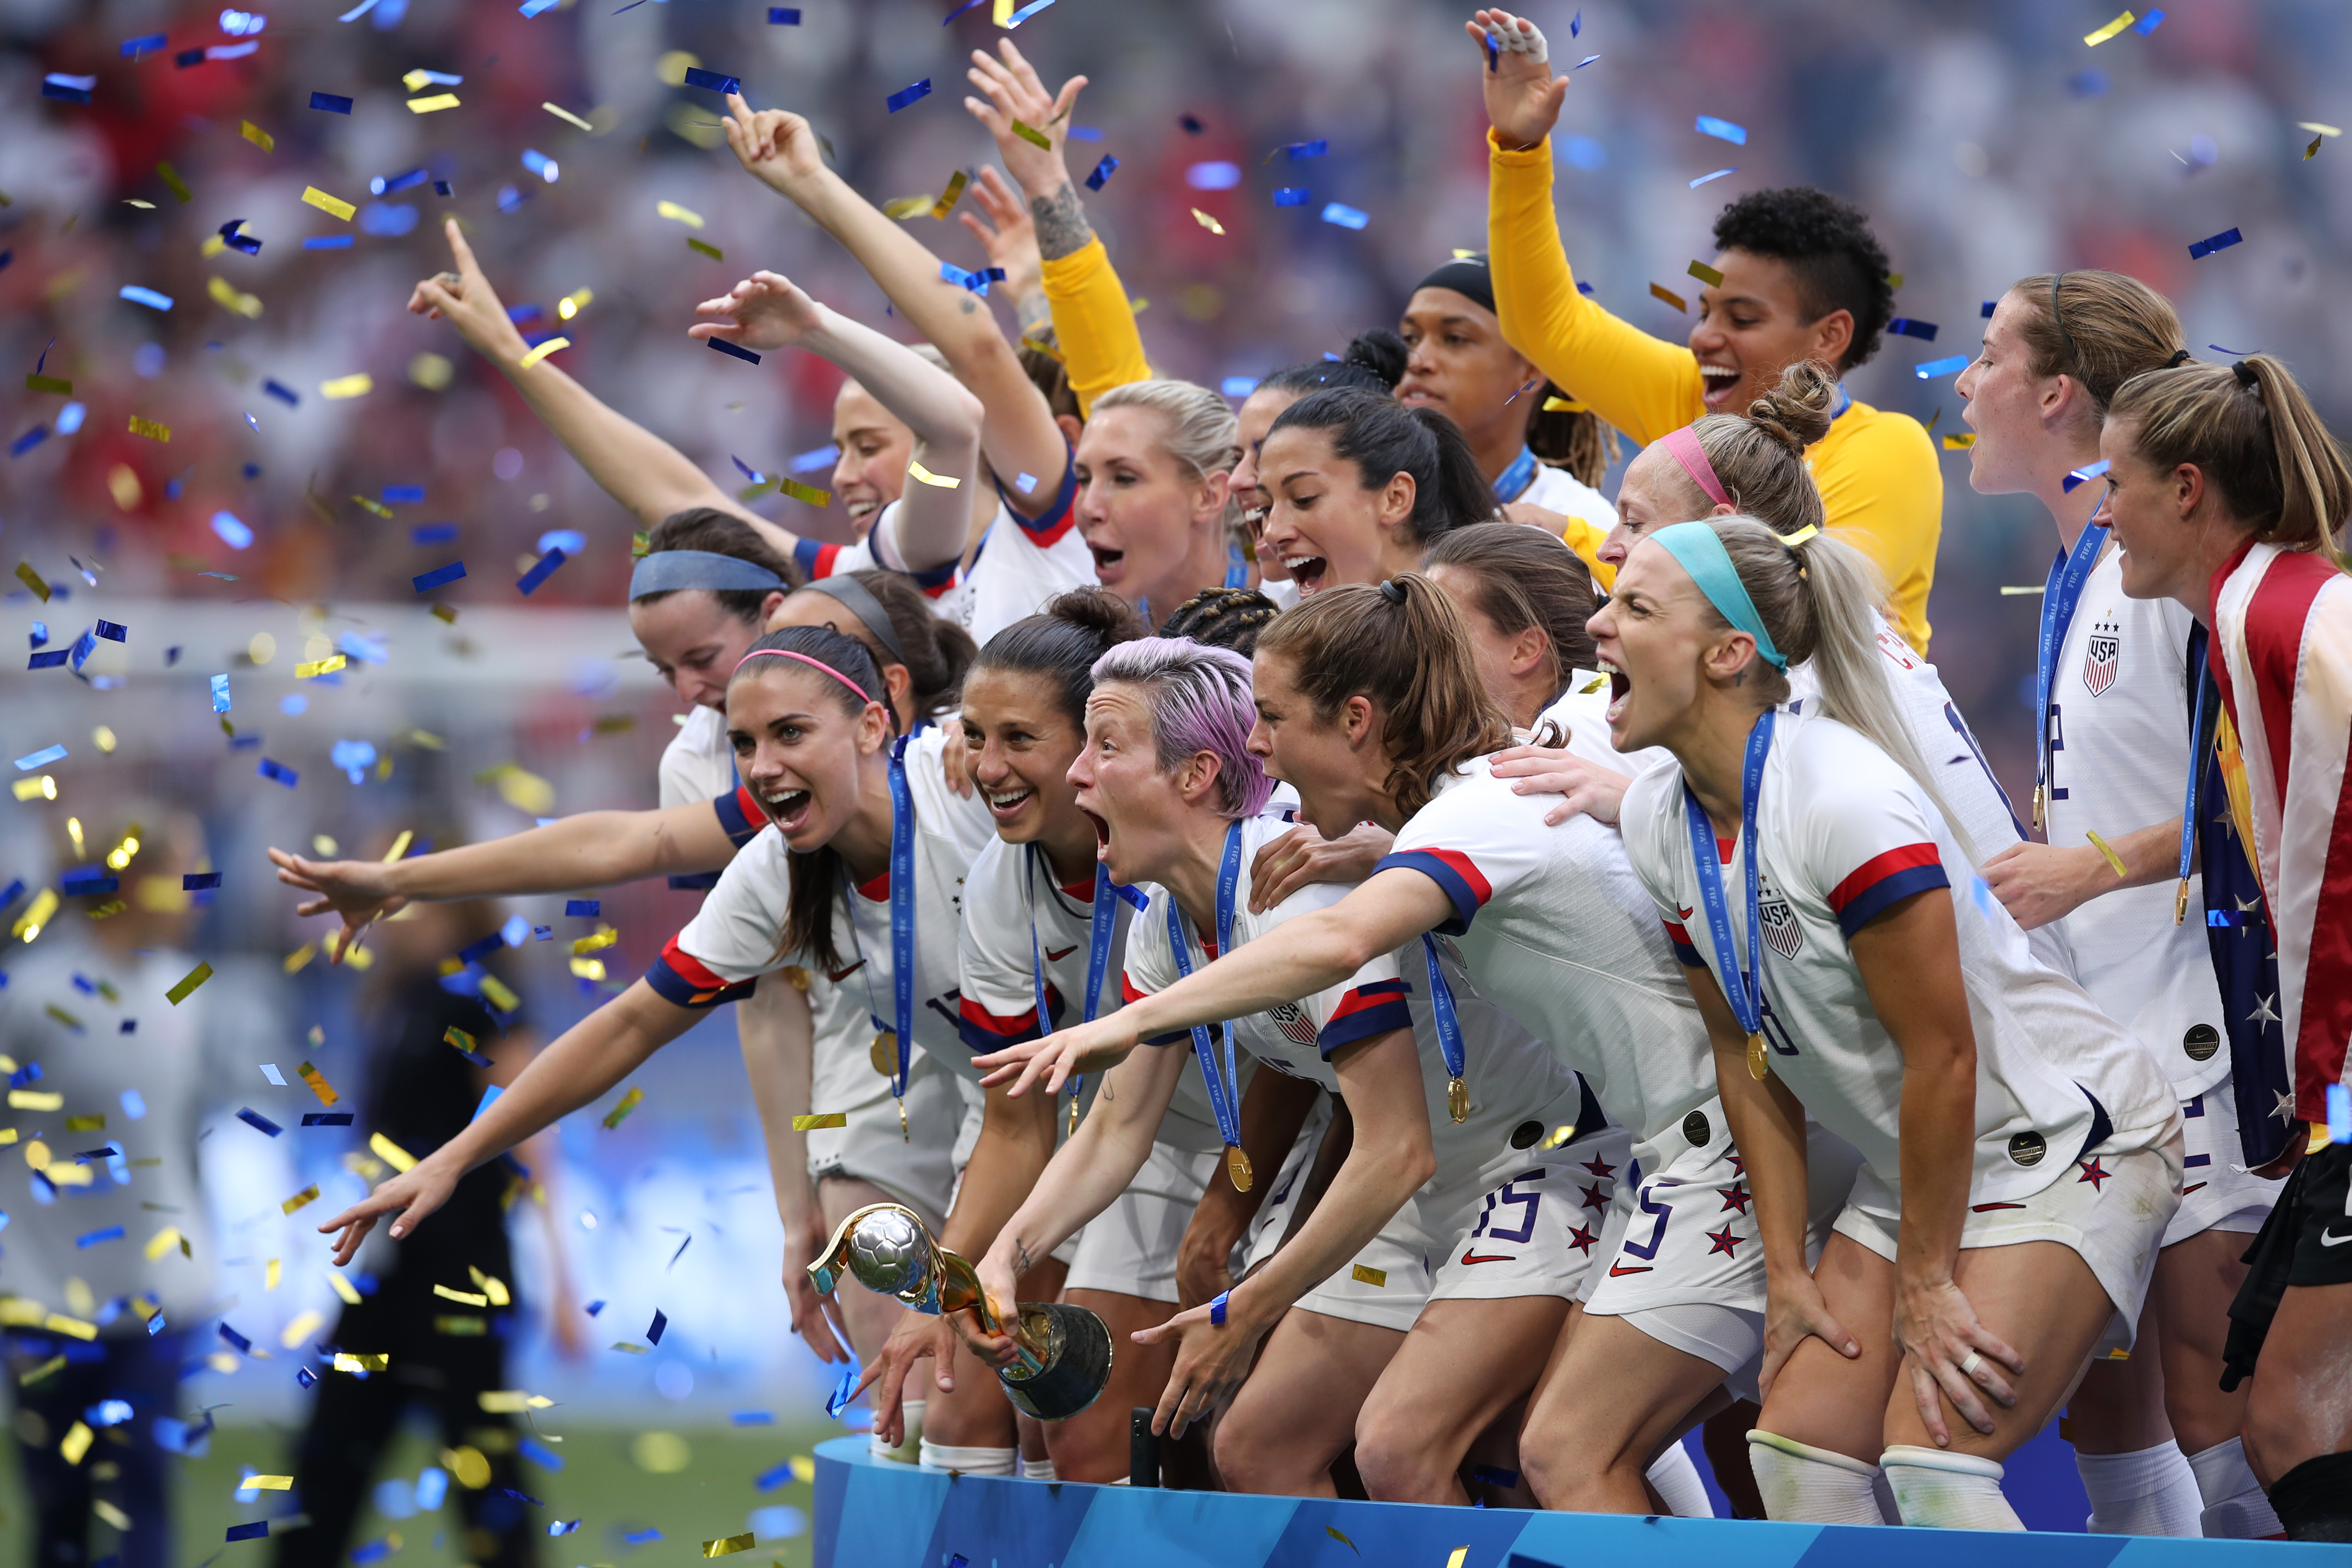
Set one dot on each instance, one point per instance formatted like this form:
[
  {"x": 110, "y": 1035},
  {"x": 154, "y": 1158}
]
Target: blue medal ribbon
[
  {"x": 1513, "y": 482},
  {"x": 1747, "y": 1004},
  {"x": 1100, "y": 927},
  {"x": 2069, "y": 573},
  {"x": 2195, "y": 766},
  {"x": 1236, "y": 566},
  {"x": 902, "y": 919},
  {"x": 1229, "y": 1119},
  {"x": 1449, "y": 1032}
]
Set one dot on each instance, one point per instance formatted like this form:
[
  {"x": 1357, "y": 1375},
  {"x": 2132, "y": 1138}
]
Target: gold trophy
[{"x": 1062, "y": 1354}]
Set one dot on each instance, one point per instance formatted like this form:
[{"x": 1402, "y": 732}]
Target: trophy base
[{"x": 1076, "y": 1360}]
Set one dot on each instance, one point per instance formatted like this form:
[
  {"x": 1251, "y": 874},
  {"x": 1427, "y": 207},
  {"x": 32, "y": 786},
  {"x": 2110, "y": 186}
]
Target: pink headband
[
  {"x": 812, "y": 663},
  {"x": 1682, "y": 447}
]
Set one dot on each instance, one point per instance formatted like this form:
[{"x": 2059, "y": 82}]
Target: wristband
[{"x": 1217, "y": 1309}]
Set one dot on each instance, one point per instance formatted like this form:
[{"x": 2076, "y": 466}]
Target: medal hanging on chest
[
  {"x": 1101, "y": 926},
  {"x": 889, "y": 1051},
  {"x": 1228, "y": 1112},
  {"x": 1747, "y": 1004},
  {"x": 1449, "y": 1034}
]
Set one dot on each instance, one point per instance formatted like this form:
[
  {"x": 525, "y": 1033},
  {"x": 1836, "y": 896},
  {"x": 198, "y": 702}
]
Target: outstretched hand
[
  {"x": 1082, "y": 1047},
  {"x": 774, "y": 145},
  {"x": 358, "y": 890},
  {"x": 1523, "y": 98},
  {"x": 1007, "y": 233},
  {"x": 413, "y": 1194},
  {"x": 764, "y": 311},
  {"x": 468, "y": 302},
  {"x": 1015, "y": 95}
]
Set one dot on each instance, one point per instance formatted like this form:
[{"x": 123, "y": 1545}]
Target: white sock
[
  {"x": 909, "y": 1449},
  {"x": 2150, "y": 1493},
  {"x": 1678, "y": 1481},
  {"x": 973, "y": 1461},
  {"x": 2235, "y": 1507},
  {"x": 1948, "y": 1491},
  {"x": 1037, "y": 1469},
  {"x": 1799, "y": 1481}
]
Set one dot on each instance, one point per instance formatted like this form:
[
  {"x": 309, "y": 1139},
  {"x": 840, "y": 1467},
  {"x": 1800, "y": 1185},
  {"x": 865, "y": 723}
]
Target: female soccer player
[
  {"x": 1154, "y": 503},
  {"x": 2112, "y": 767},
  {"x": 1361, "y": 487},
  {"x": 2228, "y": 496},
  {"x": 1374, "y": 360},
  {"x": 1802, "y": 277},
  {"x": 1850, "y": 980},
  {"x": 1167, "y": 771}
]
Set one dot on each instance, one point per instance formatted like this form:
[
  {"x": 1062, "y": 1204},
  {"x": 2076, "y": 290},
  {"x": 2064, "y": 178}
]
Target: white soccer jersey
[
  {"x": 698, "y": 763},
  {"x": 1843, "y": 834},
  {"x": 1556, "y": 931},
  {"x": 1009, "y": 893},
  {"x": 1556, "y": 489},
  {"x": 1512, "y": 1076},
  {"x": 2119, "y": 762},
  {"x": 737, "y": 935}
]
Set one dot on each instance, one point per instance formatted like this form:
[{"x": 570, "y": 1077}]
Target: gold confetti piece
[
  {"x": 628, "y": 1103},
  {"x": 259, "y": 138},
  {"x": 377, "y": 507},
  {"x": 1562, "y": 406},
  {"x": 468, "y": 1464},
  {"x": 54, "y": 1364},
  {"x": 390, "y": 1153},
  {"x": 2103, "y": 847},
  {"x": 626, "y": 1345},
  {"x": 35, "y": 1100},
  {"x": 135, "y": 202},
  {"x": 2110, "y": 30},
  {"x": 163, "y": 1240},
  {"x": 1333, "y": 1532},
  {"x": 541, "y": 353},
  {"x": 491, "y": 1287},
  {"x": 326, "y": 665},
  {"x": 149, "y": 429},
  {"x": 1960, "y": 442},
  {"x": 1373, "y": 1277},
  {"x": 2322, "y": 129},
  {"x": 1895, "y": 280},
  {"x": 232, "y": 300},
  {"x": 500, "y": 996},
  {"x": 188, "y": 984},
  {"x": 307, "y": 1196},
  {"x": 84, "y": 1123},
  {"x": 213, "y": 246},
  {"x": 333, "y": 206},
  {"x": 572, "y": 304},
  {"x": 464, "y": 1297},
  {"x": 343, "y": 1288},
  {"x": 461, "y": 1324},
  {"x": 174, "y": 184},
  {"x": 302, "y": 1326},
  {"x": 1659, "y": 291},
  {"x": 821, "y": 1119},
  {"x": 266, "y": 1483},
  {"x": 1707, "y": 275},
  {"x": 366, "y": 1361},
  {"x": 33, "y": 580},
  {"x": 943, "y": 481},
  {"x": 672, "y": 210},
  {"x": 2313, "y": 151},
  {"x": 803, "y": 1468},
  {"x": 439, "y": 101},
  {"x": 319, "y": 1084},
  {"x": 1459, "y": 1553},
  {"x": 111, "y": 1514},
  {"x": 1205, "y": 221},
  {"x": 727, "y": 1545},
  {"x": 903, "y": 207},
  {"x": 271, "y": 1273},
  {"x": 77, "y": 1441},
  {"x": 2030, "y": 588},
  {"x": 956, "y": 182},
  {"x": 710, "y": 250},
  {"x": 588, "y": 968},
  {"x": 431, "y": 370},
  {"x": 358, "y": 385},
  {"x": 789, "y": 485},
  {"x": 58, "y": 1323},
  {"x": 588, "y": 944},
  {"x": 1037, "y": 138},
  {"x": 301, "y": 956},
  {"x": 407, "y": 836},
  {"x": 569, "y": 117},
  {"x": 360, "y": 959}
]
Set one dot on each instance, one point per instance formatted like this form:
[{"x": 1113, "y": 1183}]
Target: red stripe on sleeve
[
  {"x": 692, "y": 970},
  {"x": 1467, "y": 869},
  {"x": 1878, "y": 868}
]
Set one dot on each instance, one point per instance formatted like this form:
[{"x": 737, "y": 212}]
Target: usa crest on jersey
[
  {"x": 2102, "y": 653},
  {"x": 1292, "y": 1020},
  {"x": 1781, "y": 932}
]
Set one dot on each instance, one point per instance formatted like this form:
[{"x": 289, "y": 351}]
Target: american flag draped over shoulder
[{"x": 2282, "y": 653}]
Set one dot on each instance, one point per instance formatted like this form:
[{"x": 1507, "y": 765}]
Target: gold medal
[
  {"x": 885, "y": 1053},
  {"x": 903, "y": 1137},
  {"x": 2180, "y": 902},
  {"x": 2040, "y": 800},
  {"x": 1074, "y": 1115},
  {"x": 796, "y": 977},
  {"x": 1237, "y": 1165},
  {"x": 1759, "y": 1066},
  {"x": 1457, "y": 1100}
]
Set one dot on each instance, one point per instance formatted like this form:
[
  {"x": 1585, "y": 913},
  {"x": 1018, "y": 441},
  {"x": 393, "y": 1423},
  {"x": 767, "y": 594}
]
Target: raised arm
[
  {"x": 1643, "y": 385},
  {"x": 1018, "y": 433},
  {"x": 1093, "y": 323},
  {"x": 768, "y": 311},
  {"x": 637, "y": 468}
]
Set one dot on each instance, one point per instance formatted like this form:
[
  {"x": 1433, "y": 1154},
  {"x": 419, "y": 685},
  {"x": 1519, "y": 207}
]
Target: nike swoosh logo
[
  {"x": 1617, "y": 1268},
  {"x": 1053, "y": 957},
  {"x": 1682, "y": 913},
  {"x": 1494, "y": 1257},
  {"x": 838, "y": 976},
  {"x": 2330, "y": 1238}
]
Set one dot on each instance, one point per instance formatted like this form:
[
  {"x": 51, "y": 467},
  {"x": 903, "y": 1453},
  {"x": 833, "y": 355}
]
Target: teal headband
[{"x": 1700, "y": 549}]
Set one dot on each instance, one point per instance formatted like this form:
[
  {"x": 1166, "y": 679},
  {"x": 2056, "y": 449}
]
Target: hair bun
[
  {"x": 1099, "y": 611},
  {"x": 1379, "y": 350},
  {"x": 1795, "y": 410}
]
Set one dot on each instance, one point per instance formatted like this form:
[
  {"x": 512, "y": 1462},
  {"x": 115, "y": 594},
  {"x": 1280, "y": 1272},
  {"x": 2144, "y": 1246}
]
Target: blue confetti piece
[
  {"x": 220, "y": 693},
  {"x": 768, "y": 1481},
  {"x": 1723, "y": 129},
  {"x": 540, "y": 1453},
  {"x": 260, "y": 1123},
  {"x": 259, "y": 1528},
  {"x": 960, "y": 10},
  {"x": 1987, "y": 311},
  {"x": 69, "y": 418},
  {"x": 723, "y": 346},
  {"x": 1238, "y": 385},
  {"x": 427, "y": 582},
  {"x": 787, "y": 15},
  {"x": 540, "y": 571},
  {"x": 839, "y": 1400},
  {"x": 326, "y": 1118},
  {"x": 1291, "y": 197},
  {"x": 753, "y": 1417},
  {"x": 1026, "y": 482},
  {"x": 329, "y": 242},
  {"x": 477, "y": 952},
  {"x": 331, "y": 102},
  {"x": 68, "y": 89},
  {"x": 29, "y": 441},
  {"x": 232, "y": 530},
  {"x": 97, "y": 1238},
  {"x": 85, "y": 880},
  {"x": 561, "y": 1526},
  {"x": 660, "y": 1322},
  {"x": 1103, "y": 171},
  {"x": 40, "y": 635},
  {"x": 46, "y": 754},
  {"x": 2083, "y": 474},
  {"x": 1086, "y": 133},
  {"x": 1936, "y": 367},
  {"x": 1026, "y": 12},
  {"x": 716, "y": 81},
  {"x": 402, "y": 495},
  {"x": 1904, "y": 326},
  {"x": 519, "y": 1496},
  {"x": 278, "y": 771},
  {"x": 1344, "y": 215},
  {"x": 594, "y": 1308},
  {"x": 389, "y": 185},
  {"x": 1575, "y": 25},
  {"x": 543, "y": 933},
  {"x": 903, "y": 97},
  {"x": 194, "y": 881},
  {"x": 283, "y": 392},
  {"x": 433, "y": 534},
  {"x": 2239, "y": 354},
  {"x": 586, "y": 908},
  {"x": 534, "y": 8},
  {"x": 975, "y": 281},
  {"x": 114, "y": 631},
  {"x": 145, "y": 44},
  {"x": 639, "y": 1536},
  {"x": 243, "y": 1346},
  {"x": 2222, "y": 241},
  {"x": 153, "y": 300},
  {"x": 237, "y": 241},
  {"x": 1702, "y": 179},
  {"x": 133, "y": 1106},
  {"x": 2144, "y": 26}
]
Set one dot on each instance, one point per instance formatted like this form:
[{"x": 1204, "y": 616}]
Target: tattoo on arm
[
  {"x": 1020, "y": 1254},
  {"x": 1061, "y": 227}
]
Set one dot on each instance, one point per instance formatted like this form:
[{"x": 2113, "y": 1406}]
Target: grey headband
[
  {"x": 667, "y": 571},
  {"x": 858, "y": 600}
]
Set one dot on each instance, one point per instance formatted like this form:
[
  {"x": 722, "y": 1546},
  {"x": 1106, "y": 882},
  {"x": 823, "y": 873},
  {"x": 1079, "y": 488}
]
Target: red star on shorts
[
  {"x": 1599, "y": 1167},
  {"x": 1738, "y": 1161},
  {"x": 1594, "y": 1198},
  {"x": 1583, "y": 1240},
  {"x": 1734, "y": 1197},
  {"x": 1724, "y": 1242},
  {"x": 2094, "y": 1173}
]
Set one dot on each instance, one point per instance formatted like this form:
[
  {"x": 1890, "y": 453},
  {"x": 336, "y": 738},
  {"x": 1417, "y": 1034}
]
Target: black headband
[
  {"x": 1466, "y": 276},
  {"x": 858, "y": 600}
]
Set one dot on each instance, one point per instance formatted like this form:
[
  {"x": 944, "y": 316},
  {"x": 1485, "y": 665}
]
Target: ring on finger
[{"x": 1968, "y": 1366}]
